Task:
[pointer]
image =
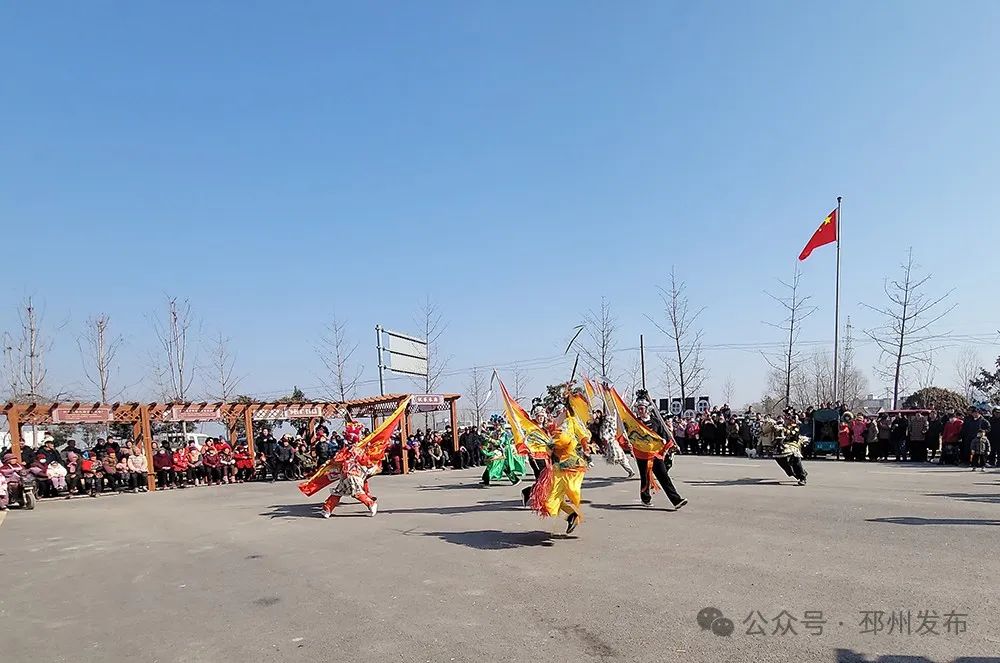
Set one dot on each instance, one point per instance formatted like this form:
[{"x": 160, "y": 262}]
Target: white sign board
[
  {"x": 407, "y": 354},
  {"x": 289, "y": 412}
]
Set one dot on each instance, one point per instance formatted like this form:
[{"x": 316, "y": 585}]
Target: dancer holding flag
[
  {"x": 348, "y": 472},
  {"x": 604, "y": 430},
  {"x": 652, "y": 446}
]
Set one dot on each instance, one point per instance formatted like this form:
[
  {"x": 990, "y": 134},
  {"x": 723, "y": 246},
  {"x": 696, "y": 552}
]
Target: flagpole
[{"x": 836, "y": 308}]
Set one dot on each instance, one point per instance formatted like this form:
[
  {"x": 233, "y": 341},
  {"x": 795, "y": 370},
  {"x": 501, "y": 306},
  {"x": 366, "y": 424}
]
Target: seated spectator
[
  {"x": 39, "y": 469},
  {"x": 163, "y": 465},
  {"x": 244, "y": 464},
  {"x": 74, "y": 475},
  {"x": 196, "y": 467},
  {"x": 93, "y": 474},
  {"x": 213, "y": 466},
  {"x": 109, "y": 464},
  {"x": 182, "y": 469},
  {"x": 138, "y": 470},
  {"x": 227, "y": 464},
  {"x": 436, "y": 454}
]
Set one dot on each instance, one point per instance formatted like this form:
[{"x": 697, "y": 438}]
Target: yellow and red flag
[
  {"x": 825, "y": 234},
  {"x": 645, "y": 442},
  {"x": 529, "y": 438},
  {"x": 370, "y": 450}
]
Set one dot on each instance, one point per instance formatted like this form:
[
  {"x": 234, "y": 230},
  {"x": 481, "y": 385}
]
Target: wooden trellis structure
[{"x": 141, "y": 416}]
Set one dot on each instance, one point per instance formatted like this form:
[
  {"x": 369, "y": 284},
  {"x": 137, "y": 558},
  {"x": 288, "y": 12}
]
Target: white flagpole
[{"x": 836, "y": 309}]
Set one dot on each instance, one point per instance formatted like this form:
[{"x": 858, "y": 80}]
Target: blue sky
[{"x": 279, "y": 162}]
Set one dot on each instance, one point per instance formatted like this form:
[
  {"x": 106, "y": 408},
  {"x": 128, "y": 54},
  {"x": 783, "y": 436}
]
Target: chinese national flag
[{"x": 825, "y": 234}]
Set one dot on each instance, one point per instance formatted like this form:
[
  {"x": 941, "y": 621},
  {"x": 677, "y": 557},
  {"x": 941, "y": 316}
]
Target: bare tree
[
  {"x": 904, "y": 338},
  {"x": 599, "y": 346},
  {"x": 175, "y": 368},
  {"x": 432, "y": 325},
  {"x": 633, "y": 377},
  {"x": 519, "y": 383},
  {"x": 967, "y": 369},
  {"x": 813, "y": 383},
  {"x": 337, "y": 353},
  {"x": 98, "y": 349},
  {"x": 477, "y": 392},
  {"x": 688, "y": 371},
  {"x": 796, "y": 308},
  {"x": 31, "y": 350},
  {"x": 220, "y": 372},
  {"x": 11, "y": 367},
  {"x": 853, "y": 384},
  {"x": 728, "y": 391}
]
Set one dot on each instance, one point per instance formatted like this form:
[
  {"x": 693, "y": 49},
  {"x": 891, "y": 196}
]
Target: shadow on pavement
[
  {"x": 993, "y": 498},
  {"x": 312, "y": 511},
  {"x": 629, "y": 507},
  {"x": 849, "y": 656},
  {"x": 455, "y": 510},
  {"x": 491, "y": 539},
  {"x": 746, "y": 481},
  {"x": 910, "y": 520}
]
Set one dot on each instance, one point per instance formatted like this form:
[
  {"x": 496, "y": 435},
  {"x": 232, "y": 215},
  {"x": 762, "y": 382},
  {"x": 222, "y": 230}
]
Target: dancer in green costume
[{"x": 501, "y": 457}]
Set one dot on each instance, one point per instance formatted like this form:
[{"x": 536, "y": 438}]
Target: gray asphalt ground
[{"x": 449, "y": 571}]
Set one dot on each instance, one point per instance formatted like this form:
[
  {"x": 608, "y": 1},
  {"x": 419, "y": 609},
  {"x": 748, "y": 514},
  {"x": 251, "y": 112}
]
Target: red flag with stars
[{"x": 825, "y": 234}]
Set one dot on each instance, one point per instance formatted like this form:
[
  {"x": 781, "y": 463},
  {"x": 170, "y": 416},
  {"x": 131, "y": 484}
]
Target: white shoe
[
  {"x": 326, "y": 514},
  {"x": 373, "y": 510}
]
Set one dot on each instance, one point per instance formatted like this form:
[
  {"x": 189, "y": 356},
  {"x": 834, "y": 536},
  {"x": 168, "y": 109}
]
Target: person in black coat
[
  {"x": 267, "y": 445},
  {"x": 933, "y": 438},
  {"x": 898, "y": 435}
]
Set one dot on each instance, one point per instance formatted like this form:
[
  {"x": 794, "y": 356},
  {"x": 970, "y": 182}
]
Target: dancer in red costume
[{"x": 350, "y": 476}]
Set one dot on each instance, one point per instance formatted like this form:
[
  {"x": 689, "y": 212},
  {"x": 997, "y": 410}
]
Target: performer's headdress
[
  {"x": 642, "y": 398},
  {"x": 496, "y": 420},
  {"x": 352, "y": 432},
  {"x": 537, "y": 409}
]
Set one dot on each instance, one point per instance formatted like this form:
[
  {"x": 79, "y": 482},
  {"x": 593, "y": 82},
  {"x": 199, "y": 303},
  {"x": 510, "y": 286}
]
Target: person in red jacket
[
  {"x": 244, "y": 464},
  {"x": 182, "y": 466},
  {"x": 844, "y": 436},
  {"x": 213, "y": 466},
  {"x": 163, "y": 465}
]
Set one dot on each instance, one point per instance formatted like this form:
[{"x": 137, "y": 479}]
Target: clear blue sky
[{"x": 515, "y": 161}]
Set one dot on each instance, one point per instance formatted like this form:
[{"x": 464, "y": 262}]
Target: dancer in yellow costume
[{"x": 558, "y": 487}]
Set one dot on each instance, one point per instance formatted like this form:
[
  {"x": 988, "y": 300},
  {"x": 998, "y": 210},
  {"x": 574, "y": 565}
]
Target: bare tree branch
[
  {"x": 796, "y": 309},
  {"x": 519, "y": 383},
  {"x": 476, "y": 392},
  {"x": 902, "y": 338},
  {"x": 687, "y": 370},
  {"x": 337, "y": 353},
  {"x": 220, "y": 372},
  {"x": 175, "y": 366},
  {"x": 967, "y": 369},
  {"x": 98, "y": 349},
  {"x": 599, "y": 346}
]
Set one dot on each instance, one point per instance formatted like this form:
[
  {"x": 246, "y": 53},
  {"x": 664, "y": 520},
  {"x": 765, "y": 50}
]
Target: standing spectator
[
  {"x": 994, "y": 436},
  {"x": 935, "y": 425},
  {"x": 980, "y": 450},
  {"x": 324, "y": 449},
  {"x": 267, "y": 448},
  {"x": 709, "y": 427},
  {"x": 733, "y": 436},
  {"x": 872, "y": 438},
  {"x": 844, "y": 436},
  {"x": 884, "y": 437},
  {"x": 858, "y": 445},
  {"x": 918, "y": 437},
  {"x": 680, "y": 435},
  {"x": 138, "y": 468},
  {"x": 693, "y": 434},
  {"x": 898, "y": 435},
  {"x": 974, "y": 423},
  {"x": 283, "y": 456},
  {"x": 951, "y": 440}
]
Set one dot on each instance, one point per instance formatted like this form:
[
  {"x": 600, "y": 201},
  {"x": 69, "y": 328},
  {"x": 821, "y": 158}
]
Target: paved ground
[{"x": 451, "y": 572}]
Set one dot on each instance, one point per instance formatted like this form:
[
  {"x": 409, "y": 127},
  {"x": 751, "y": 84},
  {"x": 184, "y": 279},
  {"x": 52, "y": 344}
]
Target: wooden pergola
[{"x": 141, "y": 416}]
